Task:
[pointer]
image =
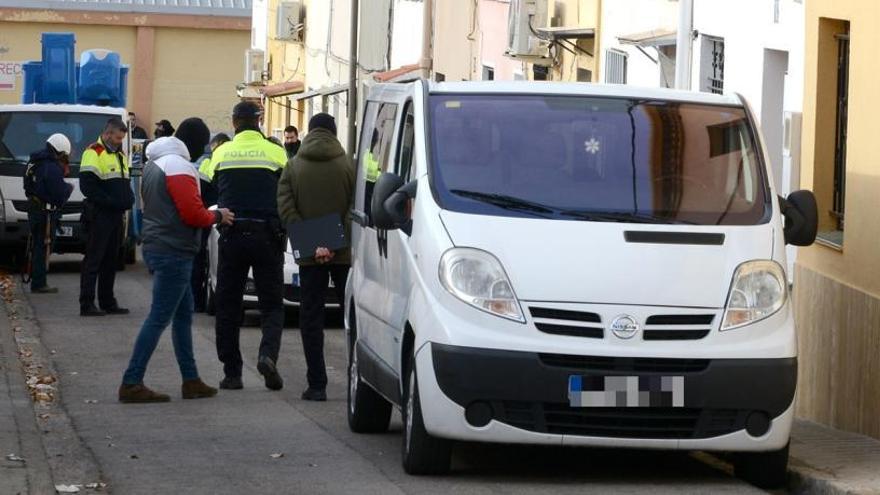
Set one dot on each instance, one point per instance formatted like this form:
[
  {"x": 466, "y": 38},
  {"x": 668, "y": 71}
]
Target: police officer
[
  {"x": 246, "y": 172},
  {"x": 105, "y": 182}
]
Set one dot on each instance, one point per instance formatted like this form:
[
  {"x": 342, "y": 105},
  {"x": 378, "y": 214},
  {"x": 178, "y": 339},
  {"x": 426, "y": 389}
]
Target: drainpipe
[
  {"x": 352, "y": 81},
  {"x": 427, "y": 62},
  {"x": 684, "y": 44}
]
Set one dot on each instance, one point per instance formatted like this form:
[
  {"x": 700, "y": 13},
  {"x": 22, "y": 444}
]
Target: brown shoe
[
  {"x": 132, "y": 394},
  {"x": 196, "y": 389}
]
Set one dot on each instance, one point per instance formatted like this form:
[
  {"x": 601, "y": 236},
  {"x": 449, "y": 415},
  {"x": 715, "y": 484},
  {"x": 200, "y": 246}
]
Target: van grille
[
  {"x": 678, "y": 327},
  {"x": 619, "y": 422},
  {"x": 68, "y": 208},
  {"x": 624, "y": 365},
  {"x": 566, "y": 322}
]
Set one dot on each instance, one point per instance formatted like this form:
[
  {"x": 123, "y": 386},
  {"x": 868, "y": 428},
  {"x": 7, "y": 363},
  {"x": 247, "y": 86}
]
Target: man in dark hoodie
[
  {"x": 46, "y": 191},
  {"x": 318, "y": 182}
]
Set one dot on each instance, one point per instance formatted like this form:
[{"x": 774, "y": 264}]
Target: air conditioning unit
[
  {"x": 255, "y": 61},
  {"x": 524, "y": 18},
  {"x": 290, "y": 21}
]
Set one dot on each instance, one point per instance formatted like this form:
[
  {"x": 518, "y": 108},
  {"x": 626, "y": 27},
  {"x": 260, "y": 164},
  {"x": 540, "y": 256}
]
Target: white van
[
  {"x": 24, "y": 129},
  {"x": 572, "y": 264}
]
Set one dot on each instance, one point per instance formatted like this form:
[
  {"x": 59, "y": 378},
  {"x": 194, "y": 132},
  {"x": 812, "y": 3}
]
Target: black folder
[{"x": 308, "y": 235}]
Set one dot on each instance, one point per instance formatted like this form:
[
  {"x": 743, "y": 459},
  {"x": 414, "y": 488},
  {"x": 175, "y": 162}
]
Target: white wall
[
  {"x": 625, "y": 17},
  {"x": 259, "y": 24},
  {"x": 406, "y": 43}
]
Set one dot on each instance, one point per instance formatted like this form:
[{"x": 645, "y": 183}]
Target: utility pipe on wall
[
  {"x": 684, "y": 44},
  {"x": 353, "y": 81},
  {"x": 427, "y": 62}
]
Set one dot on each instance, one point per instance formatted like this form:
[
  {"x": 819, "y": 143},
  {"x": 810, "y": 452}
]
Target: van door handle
[{"x": 359, "y": 217}]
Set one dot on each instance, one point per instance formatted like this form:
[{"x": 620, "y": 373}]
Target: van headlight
[
  {"x": 758, "y": 291},
  {"x": 477, "y": 278}
]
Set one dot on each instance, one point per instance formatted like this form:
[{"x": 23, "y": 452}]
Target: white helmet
[{"x": 60, "y": 143}]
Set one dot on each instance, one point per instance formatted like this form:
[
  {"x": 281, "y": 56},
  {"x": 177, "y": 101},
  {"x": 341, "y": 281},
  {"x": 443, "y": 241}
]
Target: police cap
[{"x": 246, "y": 110}]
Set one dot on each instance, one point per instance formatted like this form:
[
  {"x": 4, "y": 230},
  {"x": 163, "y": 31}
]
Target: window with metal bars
[
  {"x": 840, "y": 127},
  {"x": 615, "y": 66},
  {"x": 712, "y": 65}
]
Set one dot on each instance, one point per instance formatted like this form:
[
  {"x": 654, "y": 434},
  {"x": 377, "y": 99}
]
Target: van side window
[
  {"x": 375, "y": 157},
  {"x": 407, "y": 142}
]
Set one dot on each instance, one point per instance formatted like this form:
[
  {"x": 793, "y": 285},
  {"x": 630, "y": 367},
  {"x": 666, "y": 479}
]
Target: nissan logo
[{"x": 624, "y": 326}]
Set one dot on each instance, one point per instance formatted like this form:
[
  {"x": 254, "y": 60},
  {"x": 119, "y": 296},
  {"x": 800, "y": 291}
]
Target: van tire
[
  {"x": 368, "y": 412},
  {"x": 766, "y": 470},
  {"x": 422, "y": 453}
]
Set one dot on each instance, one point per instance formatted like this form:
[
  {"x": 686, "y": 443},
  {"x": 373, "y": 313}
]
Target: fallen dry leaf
[
  {"x": 67, "y": 488},
  {"x": 14, "y": 458},
  {"x": 90, "y": 401},
  {"x": 278, "y": 455}
]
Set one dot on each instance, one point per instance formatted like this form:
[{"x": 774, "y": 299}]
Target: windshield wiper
[
  {"x": 506, "y": 202},
  {"x": 622, "y": 217}
]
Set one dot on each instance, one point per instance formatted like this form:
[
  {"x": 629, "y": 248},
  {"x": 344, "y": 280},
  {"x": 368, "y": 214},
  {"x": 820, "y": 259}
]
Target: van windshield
[
  {"x": 597, "y": 159},
  {"x": 22, "y": 133}
]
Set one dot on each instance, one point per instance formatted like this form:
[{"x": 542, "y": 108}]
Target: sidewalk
[
  {"x": 829, "y": 461},
  {"x": 23, "y": 466}
]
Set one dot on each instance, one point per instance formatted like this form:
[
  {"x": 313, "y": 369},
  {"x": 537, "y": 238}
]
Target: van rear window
[{"x": 599, "y": 159}]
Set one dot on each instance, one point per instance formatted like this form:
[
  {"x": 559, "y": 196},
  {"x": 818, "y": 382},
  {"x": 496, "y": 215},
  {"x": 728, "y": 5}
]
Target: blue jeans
[{"x": 172, "y": 303}]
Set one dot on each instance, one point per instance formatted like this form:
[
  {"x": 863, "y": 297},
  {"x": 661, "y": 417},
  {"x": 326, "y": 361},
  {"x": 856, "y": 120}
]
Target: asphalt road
[{"x": 226, "y": 444}]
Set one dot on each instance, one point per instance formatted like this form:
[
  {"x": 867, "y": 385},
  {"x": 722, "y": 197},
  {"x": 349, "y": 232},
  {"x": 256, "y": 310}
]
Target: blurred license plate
[
  {"x": 625, "y": 391},
  {"x": 65, "y": 231}
]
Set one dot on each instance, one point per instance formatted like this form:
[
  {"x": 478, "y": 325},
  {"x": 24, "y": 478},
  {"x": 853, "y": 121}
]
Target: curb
[{"x": 65, "y": 456}]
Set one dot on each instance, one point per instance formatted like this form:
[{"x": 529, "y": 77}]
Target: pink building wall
[{"x": 492, "y": 40}]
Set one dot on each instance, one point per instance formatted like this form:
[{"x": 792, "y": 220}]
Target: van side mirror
[
  {"x": 385, "y": 186},
  {"x": 801, "y": 218},
  {"x": 397, "y": 206}
]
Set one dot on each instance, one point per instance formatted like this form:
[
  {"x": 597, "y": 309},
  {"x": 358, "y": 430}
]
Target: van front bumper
[{"x": 522, "y": 397}]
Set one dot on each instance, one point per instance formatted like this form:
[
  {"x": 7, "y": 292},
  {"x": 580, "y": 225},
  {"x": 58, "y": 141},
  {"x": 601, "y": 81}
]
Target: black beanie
[
  {"x": 323, "y": 121},
  {"x": 195, "y": 135}
]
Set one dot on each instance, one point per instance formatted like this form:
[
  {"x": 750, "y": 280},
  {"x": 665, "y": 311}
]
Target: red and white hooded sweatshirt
[{"x": 173, "y": 212}]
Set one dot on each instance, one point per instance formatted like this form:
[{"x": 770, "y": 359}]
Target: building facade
[
  {"x": 185, "y": 59},
  {"x": 837, "y": 287}
]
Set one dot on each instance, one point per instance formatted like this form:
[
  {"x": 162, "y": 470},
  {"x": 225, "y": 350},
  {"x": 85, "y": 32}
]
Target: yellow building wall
[
  {"x": 837, "y": 291},
  {"x": 582, "y": 14},
  {"x": 286, "y": 60},
  {"x": 858, "y": 264},
  {"x": 195, "y": 71},
  {"x": 22, "y": 40}
]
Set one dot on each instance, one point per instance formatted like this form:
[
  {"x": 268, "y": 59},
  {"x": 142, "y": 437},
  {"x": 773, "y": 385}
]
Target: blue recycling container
[
  {"x": 101, "y": 79},
  {"x": 33, "y": 78},
  {"x": 58, "y": 83}
]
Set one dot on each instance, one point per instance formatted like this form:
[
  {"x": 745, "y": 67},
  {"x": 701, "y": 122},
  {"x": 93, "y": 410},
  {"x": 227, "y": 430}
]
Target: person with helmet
[
  {"x": 46, "y": 191},
  {"x": 246, "y": 171},
  {"x": 105, "y": 182}
]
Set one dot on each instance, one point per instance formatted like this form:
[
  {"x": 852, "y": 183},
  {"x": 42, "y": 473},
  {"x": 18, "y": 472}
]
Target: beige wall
[
  {"x": 455, "y": 39},
  {"x": 196, "y": 74},
  {"x": 837, "y": 292},
  {"x": 195, "y": 71}
]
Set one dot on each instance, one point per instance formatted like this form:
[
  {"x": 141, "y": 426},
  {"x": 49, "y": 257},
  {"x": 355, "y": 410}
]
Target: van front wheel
[
  {"x": 368, "y": 412},
  {"x": 767, "y": 470},
  {"x": 422, "y": 453}
]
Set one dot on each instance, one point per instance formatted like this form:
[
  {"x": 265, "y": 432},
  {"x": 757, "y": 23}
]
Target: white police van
[{"x": 572, "y": 264}]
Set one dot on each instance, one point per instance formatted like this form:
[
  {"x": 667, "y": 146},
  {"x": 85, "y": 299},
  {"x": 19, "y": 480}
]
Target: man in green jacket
[{"x": 318, "y": 181}]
